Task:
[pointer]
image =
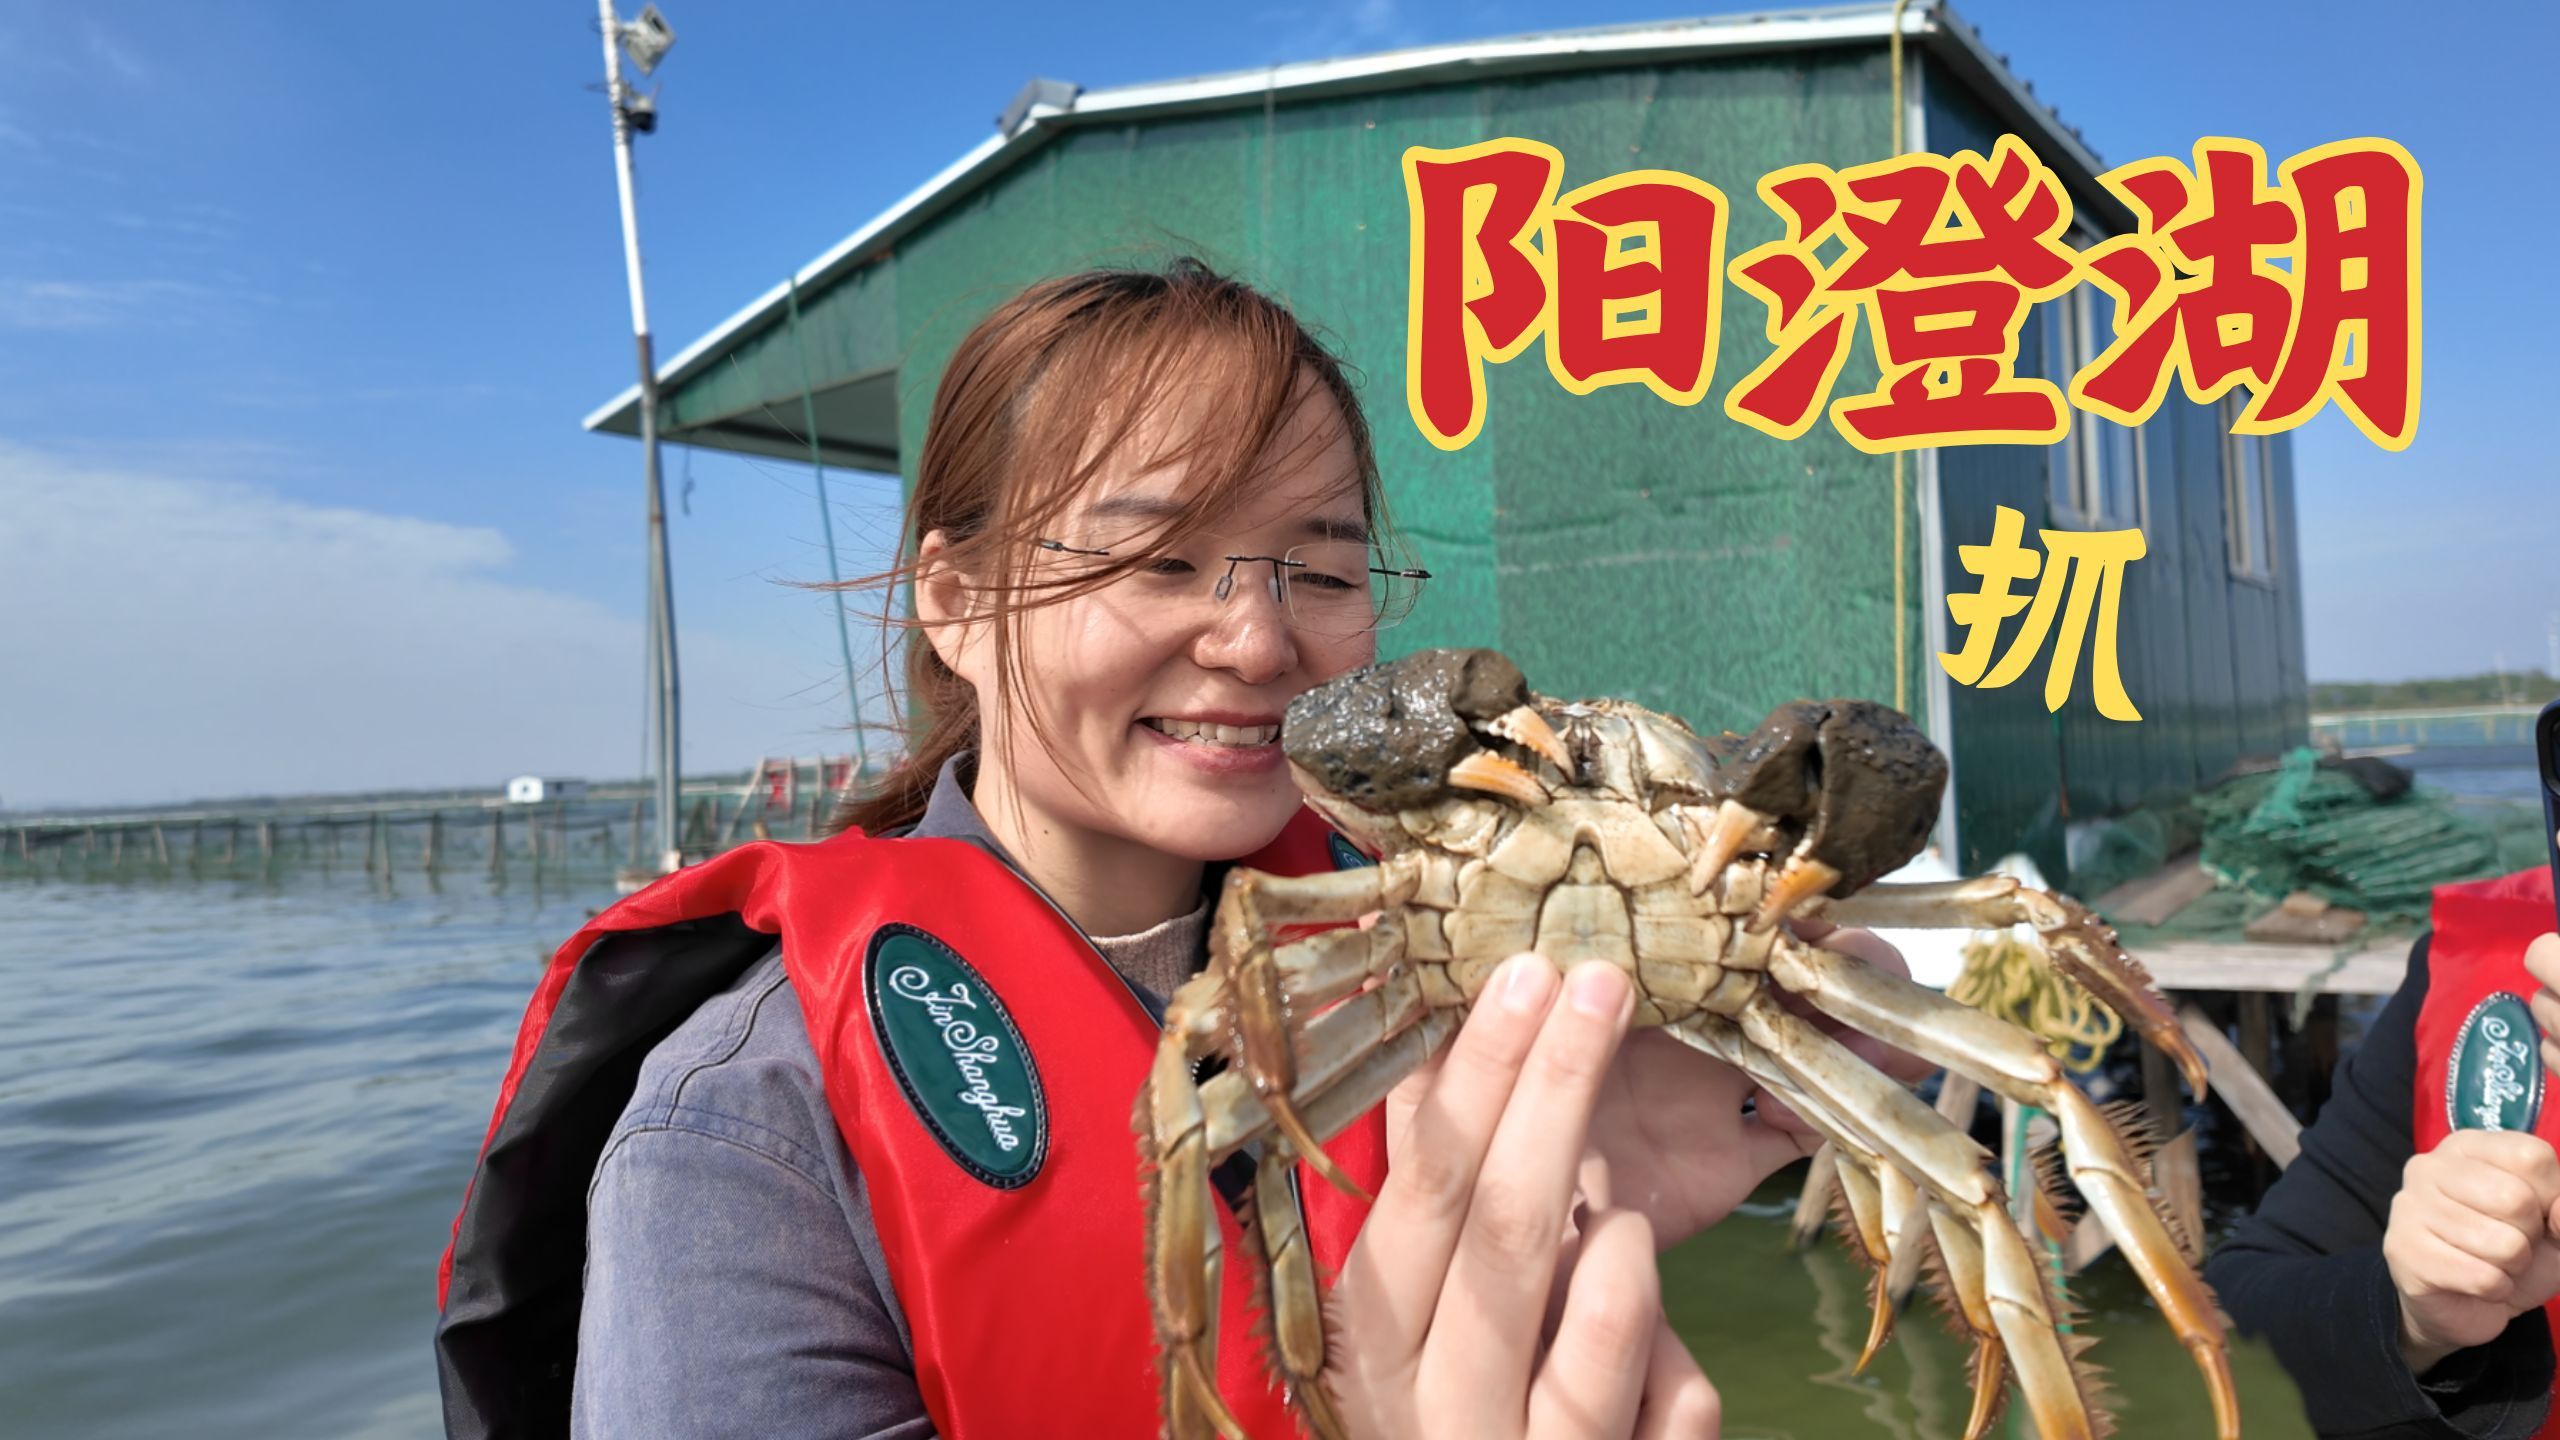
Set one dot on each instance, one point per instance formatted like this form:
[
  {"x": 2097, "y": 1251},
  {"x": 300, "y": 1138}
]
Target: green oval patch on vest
[
  {"x": 2494, "y": 1081},
  {"x": 1346, "y": 856},
  {"x": 957, "y": 1055}
]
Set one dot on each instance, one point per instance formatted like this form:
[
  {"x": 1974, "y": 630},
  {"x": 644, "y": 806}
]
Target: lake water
[{"x": 235, "y": 1120}]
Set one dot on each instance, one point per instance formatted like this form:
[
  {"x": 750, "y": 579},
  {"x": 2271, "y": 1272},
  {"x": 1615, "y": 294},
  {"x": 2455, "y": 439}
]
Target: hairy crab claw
[
  {"x": 1410, "y": 732},
  {"x": 1846, "y": 789}
]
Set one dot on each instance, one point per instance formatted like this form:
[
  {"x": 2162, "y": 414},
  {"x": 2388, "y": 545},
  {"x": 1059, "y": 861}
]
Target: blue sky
[{"x": 300, "y": 305}]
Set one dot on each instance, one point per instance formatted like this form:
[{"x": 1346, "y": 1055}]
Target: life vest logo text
[{"x": 956, "y": 1055}]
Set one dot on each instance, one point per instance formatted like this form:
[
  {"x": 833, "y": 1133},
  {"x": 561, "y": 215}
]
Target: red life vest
[
  {"x": 1001, "y": 1216},
  {"x": 2479, "y": 1065}
]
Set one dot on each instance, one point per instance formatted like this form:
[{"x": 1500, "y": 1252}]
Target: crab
[{"x": 1599, "y": 831}]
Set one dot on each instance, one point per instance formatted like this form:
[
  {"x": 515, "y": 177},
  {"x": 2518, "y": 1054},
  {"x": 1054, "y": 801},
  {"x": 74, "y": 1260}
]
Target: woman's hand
[
  {"x": 2470, "y": 1241},
  {"x": 1670, "y": 1137},
  {"x": 1444, "y": 1298}
]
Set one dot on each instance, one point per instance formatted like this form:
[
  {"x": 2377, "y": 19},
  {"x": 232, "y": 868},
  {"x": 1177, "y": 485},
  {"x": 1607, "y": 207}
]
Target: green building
[{"x": 1612, "y": 543}]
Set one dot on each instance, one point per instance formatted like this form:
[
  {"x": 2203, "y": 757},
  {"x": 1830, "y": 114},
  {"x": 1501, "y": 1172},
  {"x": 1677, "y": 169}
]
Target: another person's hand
[
  {"x": 2542, "y": 962},
  {"x": 2470, "y": 1241},
  {"x": 1443, "y": 1300}
]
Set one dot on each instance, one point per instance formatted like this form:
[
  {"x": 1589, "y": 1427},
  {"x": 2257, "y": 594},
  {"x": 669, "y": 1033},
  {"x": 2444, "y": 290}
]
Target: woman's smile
[{"x": 1217, "y": 743}]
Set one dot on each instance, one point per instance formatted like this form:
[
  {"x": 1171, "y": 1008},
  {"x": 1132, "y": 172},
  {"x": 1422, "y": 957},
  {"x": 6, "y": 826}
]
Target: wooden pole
[
  {"x": 497, "y": 842},
  {"x": 435, "y": 839},
  {"x": 159, "y": 842},
  {"x": 373, "y": 843},
  {"x": 2160, "y": 1090},
  {"x": 266, "y": 841},
  {"x": 2243, "y": 1088},
  {"x": 115, "y": 848}
]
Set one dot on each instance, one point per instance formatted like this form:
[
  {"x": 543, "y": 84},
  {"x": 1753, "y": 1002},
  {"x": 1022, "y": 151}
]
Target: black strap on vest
[{"x": 507, "y": 1343}]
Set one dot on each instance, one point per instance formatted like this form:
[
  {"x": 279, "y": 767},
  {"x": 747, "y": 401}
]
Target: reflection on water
[
  {"x": 235, "y": 1120},
  {"x": 1778, "y": 1332}
]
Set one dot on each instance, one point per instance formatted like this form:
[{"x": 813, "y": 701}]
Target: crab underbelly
[{"x": 1680, "y": 951}]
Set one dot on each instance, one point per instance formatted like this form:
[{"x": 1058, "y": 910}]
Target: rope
[
  {"x": 827, "y": 526},
  {"x": 2014, "y": 982}
]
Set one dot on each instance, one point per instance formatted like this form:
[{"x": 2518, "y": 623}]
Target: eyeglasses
[{"x": 1328, "y": 588}]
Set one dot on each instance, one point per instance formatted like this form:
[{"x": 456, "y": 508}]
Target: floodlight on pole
[{"x": 647, "y": 40}]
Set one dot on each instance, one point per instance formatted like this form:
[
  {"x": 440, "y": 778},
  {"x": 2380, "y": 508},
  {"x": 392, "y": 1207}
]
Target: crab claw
[
  {"x": 1804, "y": 878},
  {"x": 1489, "y": 772},
  {"x": 1523, "y": 725},
  {"x": 1850, "y": 786},
  {"x": 1717, "y": 842},
  {"x": 1416, "y": 730}
]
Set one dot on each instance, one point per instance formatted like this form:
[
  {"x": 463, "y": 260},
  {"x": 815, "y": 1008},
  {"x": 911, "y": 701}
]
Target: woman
[{"x": 1143, "y": 521}]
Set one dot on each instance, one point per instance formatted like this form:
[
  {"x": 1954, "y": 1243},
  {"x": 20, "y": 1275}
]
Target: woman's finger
[
  {"x": 1594, "y": 1376},
  {"x": 1487, "y": 1323},
  {"x": 1680, "y": 1403},
  {"x": 1402, "y": 1256}
]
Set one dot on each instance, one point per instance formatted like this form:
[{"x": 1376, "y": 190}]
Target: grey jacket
[{"x": 734, "y": 1283}]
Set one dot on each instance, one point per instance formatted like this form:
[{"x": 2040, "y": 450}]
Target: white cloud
[
  {"x": 94, "y": 304},
  {"x": 115, "y": 57},
  {"x": 164, "y": 637},
  {"x": 1342, "y": 27}
]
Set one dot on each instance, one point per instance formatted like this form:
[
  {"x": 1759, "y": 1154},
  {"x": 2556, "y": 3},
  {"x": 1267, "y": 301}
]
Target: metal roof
[{"x": 1933, "y": 26}]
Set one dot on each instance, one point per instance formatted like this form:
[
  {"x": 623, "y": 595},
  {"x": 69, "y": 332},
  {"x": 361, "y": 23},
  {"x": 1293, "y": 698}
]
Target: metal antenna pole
[{"x": 662, "y": 613}]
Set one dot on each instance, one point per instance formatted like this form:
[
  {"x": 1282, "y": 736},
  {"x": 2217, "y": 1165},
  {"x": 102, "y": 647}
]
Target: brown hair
[{"x": 1037, "y": 399}]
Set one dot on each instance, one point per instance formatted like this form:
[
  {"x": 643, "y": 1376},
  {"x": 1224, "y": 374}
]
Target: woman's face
[{"x": 1162, "y": 704}]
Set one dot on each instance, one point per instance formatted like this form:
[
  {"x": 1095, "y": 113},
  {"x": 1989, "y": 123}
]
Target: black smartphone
[{"x": 2546, "y": 754}]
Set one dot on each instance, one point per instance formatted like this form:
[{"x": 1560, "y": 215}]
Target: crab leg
[
  {"x": 1253, "y": 907},
  {"x": 1913, "y": 1137},
  {"x": 1968, "y": 1281},
  {"x": 1333, "y": 1046},
  {"x": 1296, "y": 1309},
  {"x": 1886, "y": 1208},
  {"x": 1260, "y": 988},
  {"x": 2074, "y": 941},
  {"x": 1183, "y": 1258},
  {"x": 2015, "y": 1064},
  {"x": 1296, "y": 1306},
  {"x": 1815, "y": 1202}
]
